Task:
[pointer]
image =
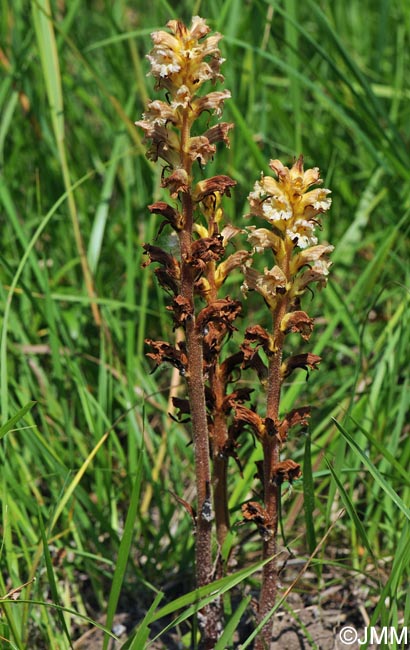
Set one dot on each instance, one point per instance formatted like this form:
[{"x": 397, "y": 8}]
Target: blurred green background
[{"x": 326, "y": 79}]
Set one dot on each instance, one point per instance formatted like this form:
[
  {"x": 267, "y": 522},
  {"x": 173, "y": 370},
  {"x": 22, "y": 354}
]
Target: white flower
[
  {"x": 322, "y": 203},
  {"x": 303, "y": 241},
  {"x": 278, "y": 211}
]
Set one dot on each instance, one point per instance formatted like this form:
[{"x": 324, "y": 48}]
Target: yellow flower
[
  {"x": 286, "y": 203},
  {"x": 270, "y": 284}
]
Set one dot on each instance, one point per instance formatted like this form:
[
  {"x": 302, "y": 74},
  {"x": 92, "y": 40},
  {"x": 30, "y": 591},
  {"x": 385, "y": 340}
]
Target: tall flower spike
[{"x": 182, "y": 60}]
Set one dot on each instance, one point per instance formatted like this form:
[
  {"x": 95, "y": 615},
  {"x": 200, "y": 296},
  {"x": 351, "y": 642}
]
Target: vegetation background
[{"x": 90, "y": 459}]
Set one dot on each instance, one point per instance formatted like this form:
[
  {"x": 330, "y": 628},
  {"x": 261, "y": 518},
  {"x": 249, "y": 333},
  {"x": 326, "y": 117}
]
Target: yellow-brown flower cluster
[
  {"x": 181, "y": 61},
  {"x": 292, "y": 210},
  {"x": 287, "y": 204},
  {"x": 178, "y": 59}
]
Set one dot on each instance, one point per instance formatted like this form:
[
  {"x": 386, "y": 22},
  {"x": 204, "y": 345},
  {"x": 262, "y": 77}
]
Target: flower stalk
[
  {"x": 291, "y": 208},
  {"x": 182, "y": 60}
]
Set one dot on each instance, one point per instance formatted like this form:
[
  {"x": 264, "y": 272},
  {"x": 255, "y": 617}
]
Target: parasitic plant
[
  {"x": 182, "y": 61},
  {"x": 291, "y": 209}
]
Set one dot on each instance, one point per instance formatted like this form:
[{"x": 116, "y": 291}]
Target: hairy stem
[
  {"x": 220, "y": 438},
  {"x": 209, "y": 617},
  {"x": 271, "y": 450},
  {"x": 220, "y": 469}
]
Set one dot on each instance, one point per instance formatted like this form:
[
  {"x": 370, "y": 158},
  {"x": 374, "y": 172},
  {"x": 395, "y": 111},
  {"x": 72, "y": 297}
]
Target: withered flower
[
  {"x": 245, "y": 416},
  {"x": 224, "y": 310},
  {"x": 163, "y": 352},
  {"x": 171, "y": 216},
  {"x": 257, "y": 334},
  {"x": 307, "y": 361},
  {"x": 221, "y": 184},
  {"x": 297, "y": 321},
  {"x": 254, "y": 512},
  {"x": 286, "y": 470},
  {"x": 270, "y": 283},
  {"x": 298, "y": 416}
]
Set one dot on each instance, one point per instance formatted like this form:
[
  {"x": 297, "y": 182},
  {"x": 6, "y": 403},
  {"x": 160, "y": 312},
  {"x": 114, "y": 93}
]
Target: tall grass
[{"x": 326, "y": 79}]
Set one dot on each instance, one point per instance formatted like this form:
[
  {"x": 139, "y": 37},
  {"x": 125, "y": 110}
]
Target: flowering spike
[{"x": 287, "y": 203}]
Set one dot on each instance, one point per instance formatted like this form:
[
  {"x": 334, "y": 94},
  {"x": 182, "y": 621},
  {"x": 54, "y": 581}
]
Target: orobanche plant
[{"x": 183, "y": 60}]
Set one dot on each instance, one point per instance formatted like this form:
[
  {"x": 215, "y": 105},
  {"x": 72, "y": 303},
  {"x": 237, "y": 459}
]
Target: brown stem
[
  {"x": 271, "y": 450},
  {"x": 219, "y": 441},
  {"x": 220, "y": 463},
  {"x": 209, "y": 617}
]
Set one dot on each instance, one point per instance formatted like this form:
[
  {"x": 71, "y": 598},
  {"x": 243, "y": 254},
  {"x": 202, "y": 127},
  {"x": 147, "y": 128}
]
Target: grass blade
[
  {"x": 232, "y": 624},
  {"x": 351, "y": 510},
  {"x": 309, "y": 495},
  {"x": 374, "y": 472},
  {"x": 124, "y": 549},
  {"x": 9, "y": 425}
]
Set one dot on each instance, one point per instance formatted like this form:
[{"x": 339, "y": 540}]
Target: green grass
[{"x": 87, "y": 509}]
